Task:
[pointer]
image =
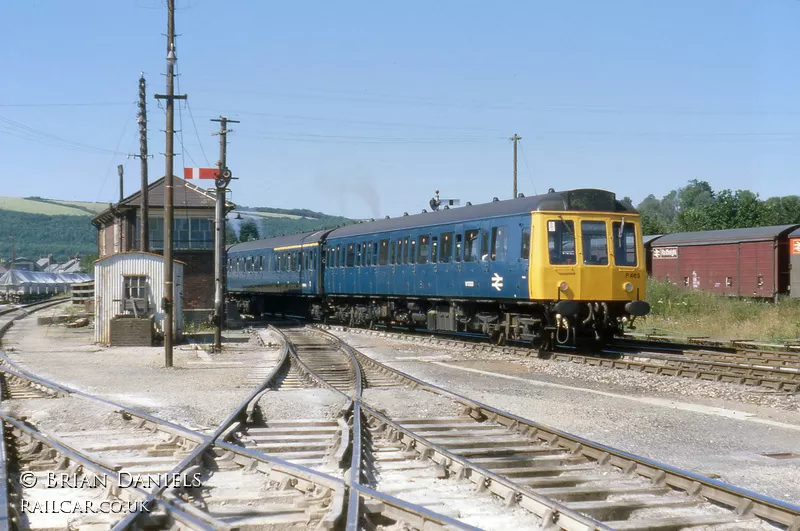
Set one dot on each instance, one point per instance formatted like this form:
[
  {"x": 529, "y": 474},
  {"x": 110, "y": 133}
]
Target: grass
[
  {"x": 50, "y": 207},
  {"x": 681, "y": 312}
]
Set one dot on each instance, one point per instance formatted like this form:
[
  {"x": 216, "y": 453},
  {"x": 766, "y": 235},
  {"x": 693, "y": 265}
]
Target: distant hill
[{"x": 43, "y": 226}]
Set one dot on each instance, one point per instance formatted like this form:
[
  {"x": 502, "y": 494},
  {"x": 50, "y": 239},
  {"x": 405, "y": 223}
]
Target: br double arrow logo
[{"x": 497, "y": 282}]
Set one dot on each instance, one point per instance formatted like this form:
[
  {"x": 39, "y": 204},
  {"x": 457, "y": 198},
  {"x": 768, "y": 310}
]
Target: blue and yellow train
[{"x": 550, "y": 269}]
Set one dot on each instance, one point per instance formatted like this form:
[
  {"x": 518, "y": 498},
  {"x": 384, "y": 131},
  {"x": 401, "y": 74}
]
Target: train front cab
[{"x": 592, "y": 264}]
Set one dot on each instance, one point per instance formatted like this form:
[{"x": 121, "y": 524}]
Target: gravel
[
  {"x": 681, "y": 429},
  {"x": 199, "y": 391},
  {"x": 408, "y": 403},
  {"x": 301, "y": 403}
]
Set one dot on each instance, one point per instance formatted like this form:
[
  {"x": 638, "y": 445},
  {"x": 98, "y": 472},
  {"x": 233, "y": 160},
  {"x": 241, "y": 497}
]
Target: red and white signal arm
[
  {"x": 794, "y": 246},
  {"x": 200, "y": 173}
]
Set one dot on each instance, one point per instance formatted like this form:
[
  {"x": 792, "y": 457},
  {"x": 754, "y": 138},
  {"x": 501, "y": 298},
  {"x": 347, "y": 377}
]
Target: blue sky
[{"x": 364, "y": 108}]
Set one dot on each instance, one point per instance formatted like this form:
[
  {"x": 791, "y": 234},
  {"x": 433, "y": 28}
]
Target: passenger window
[
  {"x": 595, "y": 244},
  {"x": 351, "y": 255},
  {"x": 424, "y": 249},
  {"x": 294, "y": 261},
  {"x": 375, "y": 253},
  {"x": 339, "y": 261},
  {"x": 384, "y": 253},
  {"x": 624, "y": 244},
  {"x": 446, "y": 244},
  {"x": 434, "y": 249},
  {"x": 411, "y": 251},
  {"x": 525, "y": 252},
  {"x": 405, "y": 250},
  {"x": 457, "y": 256},
  {"x": 471, "y": 249},
  {"x": 358, "y": 254},
  {"x": 499, "y": 243},
  {"x": 561, "y": 241}
]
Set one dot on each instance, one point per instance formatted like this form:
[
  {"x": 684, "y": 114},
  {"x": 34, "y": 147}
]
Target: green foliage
[
  {"x": 35, "y": 234},
  {"x": 682, "y": 311},
  {"x": 248, "y": 231},
  {"x": 230, "y": 236},
  {"x": 87, "y": 263},
  {"x": 696, "y": 207}
]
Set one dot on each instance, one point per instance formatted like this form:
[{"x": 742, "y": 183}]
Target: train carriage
[{"x": 552, "y": 268}]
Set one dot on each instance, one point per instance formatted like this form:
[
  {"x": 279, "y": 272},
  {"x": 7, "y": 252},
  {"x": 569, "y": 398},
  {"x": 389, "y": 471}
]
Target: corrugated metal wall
[
  {"x": 109, "y": 285},
  {"x": 794, "y": 257}
]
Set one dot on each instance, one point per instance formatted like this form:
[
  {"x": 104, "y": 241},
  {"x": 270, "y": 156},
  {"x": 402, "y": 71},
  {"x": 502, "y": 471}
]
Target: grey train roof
[
  {"x": 648, "y": 239},
  {"x": 795, "y": 234},
  {"x": 582, "y": 200},
  {"x": 724, "y": 236},
  {"x": 278, "y": 241},
  {"x": 585, "y": 199}
]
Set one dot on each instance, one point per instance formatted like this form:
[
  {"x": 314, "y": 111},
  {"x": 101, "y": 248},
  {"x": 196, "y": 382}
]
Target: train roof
[
  {"x": 278, "y": 241},
  {"x": 569, "y": 200},
  {"x": 724, "y": 236},
  {"x": 648, "y": 239},
  {"x": 795, "y": 234}
]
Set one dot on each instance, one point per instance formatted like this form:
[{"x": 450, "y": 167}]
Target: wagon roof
[
  {"x": 582, "y": 200},
  {"x": 724, "y": 236},
  {"x": 648, "y": 239},
  {"x": 795, "y": 234}
]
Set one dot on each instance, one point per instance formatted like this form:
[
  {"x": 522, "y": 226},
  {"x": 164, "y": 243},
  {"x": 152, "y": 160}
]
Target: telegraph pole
[
  {"x": 167, "y": 303},
  {"x": 144, "y": 227},
  {"x": 516, "y": 138},
  {"x": 121, "y": 172},
  {"x": 222, "y": 181}
]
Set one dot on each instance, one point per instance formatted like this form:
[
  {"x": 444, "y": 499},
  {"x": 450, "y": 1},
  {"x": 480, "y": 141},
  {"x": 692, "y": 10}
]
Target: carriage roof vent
[
  {"x": 424, "y": 211},
  {"x": 405, "y": 213},
  {"x": 469, "y": 203},
  {"x": 521, "y": 195},
  {"x": 387, "y": 217},
  {"x": 495, "y": 200},
  {"x": 447, "y": 207}
]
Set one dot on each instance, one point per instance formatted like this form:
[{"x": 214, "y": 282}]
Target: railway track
[
  {"x": 695, "y": 364},
  {"x": 553, "y": 479}
]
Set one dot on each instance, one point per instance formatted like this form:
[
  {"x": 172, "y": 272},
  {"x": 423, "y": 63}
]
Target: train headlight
[
  {"x": 563, "y": 286},
  {"x": 628, "y": 287}
]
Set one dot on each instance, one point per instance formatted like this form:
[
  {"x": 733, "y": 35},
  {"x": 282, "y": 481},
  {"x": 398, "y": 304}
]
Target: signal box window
[
  {"x": 446, "y": 244},
  {"x": 624, "y": 244},
  {"x": 471, "y": 246},
  {"x": 424, "y": 249},
  {"x": 561, "y": 241},
  {"x": 499, "y": 243},
  {"x": 525, "y": 252},
  {"x": 595, "y": 244},
  {"x": 384, "y": 253}
]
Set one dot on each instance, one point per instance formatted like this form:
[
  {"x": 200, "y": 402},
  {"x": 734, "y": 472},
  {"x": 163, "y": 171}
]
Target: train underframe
[{"x": 543, "y": 324}]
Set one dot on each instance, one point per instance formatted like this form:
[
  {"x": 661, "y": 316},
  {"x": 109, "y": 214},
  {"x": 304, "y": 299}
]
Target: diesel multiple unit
[{"x": 553, "y": 268}]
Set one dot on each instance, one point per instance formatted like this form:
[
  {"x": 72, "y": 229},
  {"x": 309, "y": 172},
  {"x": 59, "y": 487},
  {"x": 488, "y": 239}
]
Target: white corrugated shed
[{"x": 109, "y": 286}]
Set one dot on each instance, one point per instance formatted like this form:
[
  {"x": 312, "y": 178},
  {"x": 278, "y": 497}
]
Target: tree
[
  {"x": 248, "y": 231},
  {"x": 230, "y": 236},
  {"x": 87, "y": 263},
  {"x": 627, "y": 201}
]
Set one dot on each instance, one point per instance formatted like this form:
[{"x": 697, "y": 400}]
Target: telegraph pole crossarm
[{"x": 222, "y": 181}]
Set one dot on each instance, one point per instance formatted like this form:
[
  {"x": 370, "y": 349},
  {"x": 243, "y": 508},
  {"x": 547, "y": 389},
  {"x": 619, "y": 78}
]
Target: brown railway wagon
[
  {"x": 750, "y": 262},
  {"x": 794, "y": 264}
]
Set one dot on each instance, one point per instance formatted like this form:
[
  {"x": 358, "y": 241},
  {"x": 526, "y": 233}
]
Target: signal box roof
[{"x": 710, "y": 237}]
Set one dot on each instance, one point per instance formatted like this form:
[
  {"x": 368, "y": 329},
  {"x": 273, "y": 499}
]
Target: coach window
[
  {"x": 412, "y": 249},
  {"x": 400, "y": 250},
  {"x": 393, "y": 253},
  {"x": 434, "y": 249},
  {"x": 337, "y": 256},
  {"x": 293, "y": 261},
  {"x": 595, "y": 243},
  {"x": 384, "y": 252},
  {"x": 351, "y": 255},
  {"x": 358, "y": 254},
  {"x": 624, "y": 243},
  {"x": 525, "y": 252},
  {"x": 457, "y": 255},
  {"x": 286, "y": 261},
  {"x": 499, "y": 243},
  {"x": 471, "y": 246},
  {"x": 424, "y": 249},
  {"x": 561, "y": 241},
  {"x": 375, "y": 253},
  {"x": 446, "y": 243},
  {"x": 261, "y": 263}
]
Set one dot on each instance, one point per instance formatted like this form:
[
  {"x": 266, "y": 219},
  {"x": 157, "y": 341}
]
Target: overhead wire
[
  {"x": 525, "y": 160},
  {"x": 128, "y": 120}
]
